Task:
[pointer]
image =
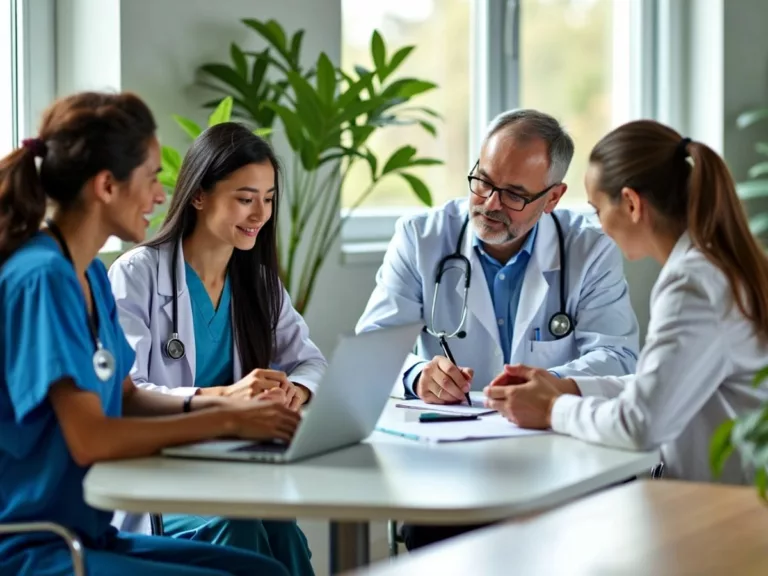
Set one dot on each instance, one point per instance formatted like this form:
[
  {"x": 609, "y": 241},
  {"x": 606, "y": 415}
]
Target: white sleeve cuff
[{"x": 562, "y": 410}]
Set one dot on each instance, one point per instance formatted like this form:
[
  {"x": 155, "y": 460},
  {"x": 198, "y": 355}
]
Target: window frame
[{"x": 495, "y": 32}]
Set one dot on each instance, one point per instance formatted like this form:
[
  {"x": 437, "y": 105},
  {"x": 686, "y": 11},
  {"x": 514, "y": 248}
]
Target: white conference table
[{"x": 383, "y": 478}]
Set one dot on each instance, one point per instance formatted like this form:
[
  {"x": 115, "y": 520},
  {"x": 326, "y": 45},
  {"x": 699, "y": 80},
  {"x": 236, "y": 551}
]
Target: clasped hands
[
  {"x": 263, "y": 384},
  {"x": 522, "y": 394}
]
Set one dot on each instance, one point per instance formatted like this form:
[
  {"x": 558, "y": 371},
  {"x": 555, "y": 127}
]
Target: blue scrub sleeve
[{"x": 46, "y": 338}]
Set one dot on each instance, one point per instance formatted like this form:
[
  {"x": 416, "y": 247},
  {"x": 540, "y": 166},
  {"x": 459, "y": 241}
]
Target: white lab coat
[
  {"x": 141, "y": 283},
  {"x": 695, "y": 371},
  {"x": 605, "y": 339}
]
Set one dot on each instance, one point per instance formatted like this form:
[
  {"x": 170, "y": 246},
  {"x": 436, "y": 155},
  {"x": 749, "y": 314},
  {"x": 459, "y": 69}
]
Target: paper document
[
  {"x": 494, "y": 426},
  {"x": 477, "y": 406}
]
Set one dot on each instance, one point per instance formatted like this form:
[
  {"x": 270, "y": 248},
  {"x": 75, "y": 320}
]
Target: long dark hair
[
  {"x": 699, "y": 197},
  {"x": 80, "y": 136},
  {"x": 257, "y": 294}
]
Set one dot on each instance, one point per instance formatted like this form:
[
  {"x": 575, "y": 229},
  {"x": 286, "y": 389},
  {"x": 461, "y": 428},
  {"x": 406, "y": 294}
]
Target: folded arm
[{"x": 683, "y": 346}]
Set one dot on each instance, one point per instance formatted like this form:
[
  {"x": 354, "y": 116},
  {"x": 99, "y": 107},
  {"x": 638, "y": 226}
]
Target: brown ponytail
[
  {"x": 80, "y": 136},
  {"x": 22, "y": 200},
  {"x": 690, "y": 186}
]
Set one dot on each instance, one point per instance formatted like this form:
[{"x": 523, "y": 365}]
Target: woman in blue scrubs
[
  {"x": 210, "y": 276},
  {"x": 66, "y": 400}
]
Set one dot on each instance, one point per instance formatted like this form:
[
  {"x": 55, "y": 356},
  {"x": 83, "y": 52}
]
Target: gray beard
[{"x": 493, "y": 237}]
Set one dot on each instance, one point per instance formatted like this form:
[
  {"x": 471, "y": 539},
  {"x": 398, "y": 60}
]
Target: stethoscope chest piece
[
  {"x": 560, "y": 325},
  {"x": 174, "y": 348},
  {"x": 103, "y": 364}
]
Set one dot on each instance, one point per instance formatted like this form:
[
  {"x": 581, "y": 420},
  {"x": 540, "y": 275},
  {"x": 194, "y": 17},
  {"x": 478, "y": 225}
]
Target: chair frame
[{"x": 73, "y": 542}]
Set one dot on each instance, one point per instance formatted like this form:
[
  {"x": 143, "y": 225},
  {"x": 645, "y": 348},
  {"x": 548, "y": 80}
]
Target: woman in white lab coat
[
  {"x": 660, "y": 195},
  {"x": 224, "y": 325}
]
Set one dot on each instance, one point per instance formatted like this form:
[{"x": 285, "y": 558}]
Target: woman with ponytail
[
  {"x": 660, "y": 195},
  {"x": 66, "y": 397}
]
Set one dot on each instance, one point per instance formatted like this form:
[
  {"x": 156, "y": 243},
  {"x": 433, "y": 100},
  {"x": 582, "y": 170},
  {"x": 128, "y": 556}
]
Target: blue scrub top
[
  {"x": 213, "y": 333},
  {"x": 45, "y": 337}
]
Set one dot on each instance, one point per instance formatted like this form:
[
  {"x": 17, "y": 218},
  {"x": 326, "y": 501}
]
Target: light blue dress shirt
[
  {"x": 505, "y": 284},
  {"x": 213, "y": 333}
]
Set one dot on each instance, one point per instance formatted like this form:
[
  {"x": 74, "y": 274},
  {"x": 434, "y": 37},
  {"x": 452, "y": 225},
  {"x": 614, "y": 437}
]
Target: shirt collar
[{"x": 526, "y": 248}]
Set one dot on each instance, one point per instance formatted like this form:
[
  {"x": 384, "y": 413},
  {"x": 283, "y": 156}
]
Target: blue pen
[
  {"x": 537, "y": 334},
  {"x": 401, "y": 434}
]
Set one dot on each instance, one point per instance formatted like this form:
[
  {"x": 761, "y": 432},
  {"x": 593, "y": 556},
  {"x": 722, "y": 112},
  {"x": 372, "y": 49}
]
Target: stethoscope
[
  {"x": 103, "y": 360},
  {"x": 174, "y": 347},
  {"x": 560, "y": 324}
]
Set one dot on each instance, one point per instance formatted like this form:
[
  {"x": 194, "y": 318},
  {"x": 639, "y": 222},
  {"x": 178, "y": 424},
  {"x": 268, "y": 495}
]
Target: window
[
  {"x": 440, "y": 30},
  {"x": 589, "y": 63},
  {"x": 7, "y": 79},
  {"x": 575, "y": 63}
]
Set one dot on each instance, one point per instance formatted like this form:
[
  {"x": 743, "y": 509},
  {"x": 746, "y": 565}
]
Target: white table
[
  {"x": 648, "y": 527},
  {"x": 384, "y": 477}
]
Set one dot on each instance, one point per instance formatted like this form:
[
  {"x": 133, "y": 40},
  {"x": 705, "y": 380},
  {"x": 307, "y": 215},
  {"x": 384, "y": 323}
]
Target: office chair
[
  {"x": 156, "y": 522},
  {"x": 73, "y": 542}
]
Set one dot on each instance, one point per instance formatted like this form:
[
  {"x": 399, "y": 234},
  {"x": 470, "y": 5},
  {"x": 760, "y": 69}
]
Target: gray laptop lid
[{"x": 354, "y": 389}]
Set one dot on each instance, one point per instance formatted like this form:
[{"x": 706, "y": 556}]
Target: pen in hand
[{"x": 447, "y": 352}]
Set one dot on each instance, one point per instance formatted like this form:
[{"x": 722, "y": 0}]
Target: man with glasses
[{"x": 546, "y": 287}]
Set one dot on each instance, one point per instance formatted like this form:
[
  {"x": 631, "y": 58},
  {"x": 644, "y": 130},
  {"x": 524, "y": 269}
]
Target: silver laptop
[{"x": 345, "y": 408}]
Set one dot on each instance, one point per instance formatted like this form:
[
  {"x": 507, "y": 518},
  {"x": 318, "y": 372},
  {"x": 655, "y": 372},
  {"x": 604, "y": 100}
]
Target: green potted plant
[
  {"x": 756, "y": 186},
  {"x": 328, "y": 116}
]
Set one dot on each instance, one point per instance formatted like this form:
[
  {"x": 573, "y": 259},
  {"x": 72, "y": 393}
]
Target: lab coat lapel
[
  {"x": 479, "y": 304},
  {"x": 545, "y": 258},
  {"x": 165, "y": 288}
]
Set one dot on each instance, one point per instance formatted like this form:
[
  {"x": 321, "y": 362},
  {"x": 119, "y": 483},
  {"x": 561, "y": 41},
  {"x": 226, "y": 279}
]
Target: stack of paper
[
  {"x": 483, "y": 428},
  {"x": 477, "y": 406}
]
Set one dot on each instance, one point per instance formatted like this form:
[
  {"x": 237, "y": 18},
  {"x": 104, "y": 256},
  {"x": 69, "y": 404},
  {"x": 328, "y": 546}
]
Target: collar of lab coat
[
  {"x": 545, "y": 251},
  {"x": 682, "y": 246},
  {"x": 164, "y": 262},
  {"x": 545, "y": 258}
]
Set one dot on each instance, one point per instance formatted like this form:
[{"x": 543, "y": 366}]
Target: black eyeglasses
[{"x": 512, "y": 200}]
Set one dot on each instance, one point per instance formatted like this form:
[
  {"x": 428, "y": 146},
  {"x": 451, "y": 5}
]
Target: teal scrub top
[
  {"x": 45, "y": 337},
  {"x": 214, "y": 349}
]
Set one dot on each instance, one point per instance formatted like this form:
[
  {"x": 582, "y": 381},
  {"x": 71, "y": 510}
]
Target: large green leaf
[
  {"x": 167, "y": 179},
  {"x": 753, "y": 189},
  {"x": 762, "y": 148},
  {"x": 407, "y": 88},
  {"x": 720, "y": 447},
  {"x": 353, "y": 91},
  {"x": 356, "y": 109},
  {"x": 309, "y": 107},
  {"x": 400, "y": 159},
  {"x": 170, "y": 159},
  {"x": 397, "y": 59},
  {"x": 758, "y": 170},
  {"x": 238, "y": 58},
  {"x": 419, "y": 188},
  {"x": 426, "y": 162},
  {"x": 372, "y": 163},
  {"x": 379, "y": 53},
  {"x": 230, "y": 77},
  {"x": 748, "y": 118},
  {"x": 429, "y": 127},
  {"x": 309, "y": 156},
  {"x": 360, "y": 134},
  {"x": 222, "y": 113},
  {"x": 292, "y": 124},
  {"x": 758, "y": 224},
  {"x": 191, "y": 127},
  {"x": 761, "y": 481},
  {"x": 260, "y": 64},
  {"x": 296, "y": 45},
  {"x": 272, "y": 32},
  {"x": 761, "y": 375},
  {"x": 326, "y": 79}
]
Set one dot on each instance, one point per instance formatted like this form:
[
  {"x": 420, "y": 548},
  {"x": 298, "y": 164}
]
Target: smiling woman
[{"x": 204, "y": 308}]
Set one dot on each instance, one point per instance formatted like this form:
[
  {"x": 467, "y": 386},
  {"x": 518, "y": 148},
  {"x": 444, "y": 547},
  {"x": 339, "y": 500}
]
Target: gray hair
[{"x": 526, "y": 124}]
